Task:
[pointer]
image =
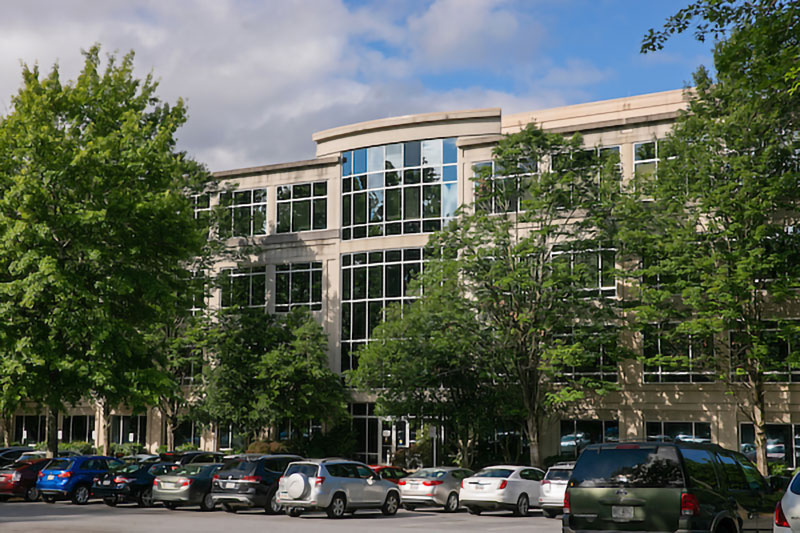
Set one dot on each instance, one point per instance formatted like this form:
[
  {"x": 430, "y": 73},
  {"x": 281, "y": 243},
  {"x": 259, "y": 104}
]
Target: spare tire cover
[{"x": 297, "y": 486}]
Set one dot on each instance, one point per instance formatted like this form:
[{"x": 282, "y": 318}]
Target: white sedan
[
  {"x": 787, "y": 512},
  {"x": 502, "y": 487}
]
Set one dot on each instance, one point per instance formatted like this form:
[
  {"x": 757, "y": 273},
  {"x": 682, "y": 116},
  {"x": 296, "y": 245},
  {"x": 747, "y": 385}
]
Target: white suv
[{"x": 335, "y": 486}]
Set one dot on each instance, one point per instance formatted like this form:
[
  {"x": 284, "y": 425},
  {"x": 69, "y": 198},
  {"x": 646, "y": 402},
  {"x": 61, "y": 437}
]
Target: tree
[
  {"x": 428, "y": 360},
  {"x": 95, "y": 231},
  {"x": 717, "y": 224}
]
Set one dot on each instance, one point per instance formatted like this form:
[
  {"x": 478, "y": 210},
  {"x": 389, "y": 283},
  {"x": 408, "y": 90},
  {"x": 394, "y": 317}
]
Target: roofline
[{"x": 278, "y": 167}]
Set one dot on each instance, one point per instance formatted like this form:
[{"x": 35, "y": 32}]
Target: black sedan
[
  {"x": 130, "y": 483},
  {"x": 188, "y": 485}
]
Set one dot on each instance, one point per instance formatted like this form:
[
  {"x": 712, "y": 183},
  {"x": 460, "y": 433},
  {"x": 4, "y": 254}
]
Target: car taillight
[
  {"x": 690, "y": 505},
  {"x": 319, "y": 480},
  {"x": 215, "y": 477},
  {"x": 432, "y": 483},
  {"x": 155, "y": 482},
  {"x": 566, "y": 502},
  {"x": 545, "y": 482},
  {"x": 185, "y": 482},
  {"x": 780, "y": 518},
  {"x": 401, "y": 482},
  {"x": 122, "y": 480},
  {"x": 65, "y": 474},
  {"x": 503, "y": 484},
  {"x": 16, "y": 477},
  {"x": 41, "y": 474},
  {"x": 462, "y": 483},
  {"x": 256, "y": 479}
]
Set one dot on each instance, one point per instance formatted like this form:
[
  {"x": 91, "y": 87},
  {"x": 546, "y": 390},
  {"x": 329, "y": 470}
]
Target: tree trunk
[
  {"x": 760, "y": 439},
  {"x": 170, "y": 433},
  {"x": 534, "y": 438},
  {"x": 52, "y": 432},
  {"x": 107, "y": 429}
]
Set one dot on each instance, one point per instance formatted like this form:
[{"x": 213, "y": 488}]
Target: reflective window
[
  {"x": 495, "y": 192},
  {"x": 678, "y": 431},
  {"x": 302, "y": 207},
  {"x": 29, "y": 429},
  {"x": 700, "y": 468},
  {"x": 125, "y": 429},
  {"x": 593, "y": 266},
  {"x": 202, "y": 208},
  {"x": 244, "y": 287},
  {"x": 783, "y": 443},
  {"x": 246, "y": 213},
  {"x": 675, "y": 358},
  {"x": 577, "y": 434},
  {"x": 641, "y": 467},
  {"x": 78, "y": 428},
  {"x": 298, "y": 284},
  {"x": 596, "y": 364},
  {"x": 398, "y": 189}
]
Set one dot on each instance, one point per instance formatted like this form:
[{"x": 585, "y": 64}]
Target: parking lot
[{"x": 19, "y": 516}]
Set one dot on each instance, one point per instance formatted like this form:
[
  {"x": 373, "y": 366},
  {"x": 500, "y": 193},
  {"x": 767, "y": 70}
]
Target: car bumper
[
  {"x": 488, "y": 504},
  {"x": 319, "y": 501},
  {"x": 188, "y": 497},
  {"x": 238, "y": 500},
  {"x": 550, "y": 502},
  {"x": 432, "y": 500},
  {"x": 58, "y": 493}
]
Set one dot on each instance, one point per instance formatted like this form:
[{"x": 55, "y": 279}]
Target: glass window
[
  {"x": 298, "y": 284},
  {"x": 244, "y": 287},
  {"x": 674, "y": 358},
  {"x": 591, "y": 266},
  {"x": 640, "y": 467},
  {"x": 700, "y": 468},
  {"x": 246, "y": 213},
  {"x": 678, "y": 431},
  {"x": 304, "y": 207}
]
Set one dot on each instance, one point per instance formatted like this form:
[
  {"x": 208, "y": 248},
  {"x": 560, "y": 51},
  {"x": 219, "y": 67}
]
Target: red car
[
  {"x": 389, "y": 473},
  {"x": 19, "y": 479}
]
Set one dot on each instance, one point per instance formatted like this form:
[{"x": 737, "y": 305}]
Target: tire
[
  {"x": 80, "y": 496},
  {"x": 111, "y": 502},
  {"x": 207, "y": 503},
  {"x": 337, "y": 507},
  {"x": 451, "y": 505},
  {"x": 474, "y": 510},
  {"x": 409, "y": 507},
  {"x": 550, "y": 513},
  {"x": 170, "y": 505},
  {"x": 32, "y": 494},
  {"x": 391, "y": 505},
  {"x": 4, "y": 498},
  {"x": 273, "y": 507},
  {"x": 523, "y": 505},
  {"x": 48, "y": 499},
  {"x": 229, "y": 508},
  {"x": 145, "y": 497},
  {"x": 294, "y": 512}
]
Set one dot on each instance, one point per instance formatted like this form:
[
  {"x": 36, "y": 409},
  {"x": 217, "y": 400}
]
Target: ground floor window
[
  {"x": 577, "y": 434},
  {"x": 678, "y": 431},
  {"x": 365, "y": 425},
  {"x": 188, "y": 433},
  {"x": 30, "y": 429},
  {"x": 229, "y": 438},
  {"x": 125, "y": 429},
  {"x": 783, "y": 443},
  {"x": 78, "y": 428}
]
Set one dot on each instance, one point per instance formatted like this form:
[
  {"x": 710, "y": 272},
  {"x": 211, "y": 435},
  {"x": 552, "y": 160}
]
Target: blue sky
[{"x": 261, "y": 76}]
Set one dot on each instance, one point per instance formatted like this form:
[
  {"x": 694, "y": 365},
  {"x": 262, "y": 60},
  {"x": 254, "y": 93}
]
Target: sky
[{"x": 260, "y": 77}]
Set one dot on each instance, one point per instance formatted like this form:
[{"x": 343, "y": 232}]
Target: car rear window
[
  {"x": 495, "y": 472},
  {"x": 241, "y": 466},
  {"x": 302, "y": 468},
  {"x": 429, "y": 473},
  {"x": 558, "y": 475},
  {"x": 125, "y": 468},
  {"x": 640, "y": 467},
  {"x": 59, "y": 464}
]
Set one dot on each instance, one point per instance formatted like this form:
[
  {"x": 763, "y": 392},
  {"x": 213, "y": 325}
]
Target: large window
[
  {"x": 246, "y": 213},
  {"x": 781, "y": 345},
  {"x": 594, "y": 266},
  {"x": 366, "y": 426},
  {"x": 298, "y": 284},
  {"x": 302, "y": 207},
  {"x": 598, "y": 364},
  {"x": 678, "y": 431},
  {"x": 399, "y": 188},
  {"x": 370, "y": 282},
  {"x": 30, "y": 429},
  {"x": 673, "y": 357},
  {"x": 187, "y": 432},
  {"x": 577, "y": 434},
  {"x": 783, "y": 443},
  {"x": 125, "y": 429},
  {"x": 583, "y": 161},
  {"x": 495, "y": 192},
  {"x": 244, "y": 287},
  {"x": 78, "y": 428}
]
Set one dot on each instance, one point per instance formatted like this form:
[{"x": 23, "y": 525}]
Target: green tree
[
  {"x": 717, "y": 225},
  {"x": 427, "y": 360},
  {"x": 95, "y": 227}
]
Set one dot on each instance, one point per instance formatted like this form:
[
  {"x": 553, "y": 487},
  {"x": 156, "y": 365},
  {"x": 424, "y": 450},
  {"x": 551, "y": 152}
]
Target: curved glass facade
[{"x": 398, "y": 189}]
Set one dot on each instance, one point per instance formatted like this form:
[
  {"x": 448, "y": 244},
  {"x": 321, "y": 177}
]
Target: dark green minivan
[{"x": 667, "y": 487}]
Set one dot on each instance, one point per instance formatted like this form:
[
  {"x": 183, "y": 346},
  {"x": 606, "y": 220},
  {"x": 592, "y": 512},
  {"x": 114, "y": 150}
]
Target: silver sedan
[{"x": 433, "y": 487}]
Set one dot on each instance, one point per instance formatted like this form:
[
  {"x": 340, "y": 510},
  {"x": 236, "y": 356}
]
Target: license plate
[
  {"x": 106, "y": 482},
  {"x": 168, "y": 485},
  {"x": 478, "y": 487},
  {"x": 49, "y": 477},
  {"x": 623, "y": 512},
  {"x": 230, "y": 485}
]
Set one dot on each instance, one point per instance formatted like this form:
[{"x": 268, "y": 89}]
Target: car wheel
[
  {"x": 48, "y": 499},
  {"x": 451, "y": 505},
  {"x": 523, "y": 505},
  {"x": 391, "y": 504},
  {"x": 81, "y": 495},
  {"x": 170, "y": 505},
  {"x": 111, "y": 502},
  {"x": 474, "y": 510},
  {"x": 207, "y": 503},
  {"x": 550, "y": 513},
  {"x": 337, "y": 507},
  {"x": 145, "y": 498},
  {"x": 4, "y": 498},
  {"x": 32, "y": 494},
  {"x": 295, "y": 511},
  {"x": 273, "y": 507},
  {"x": 229, "y": 508}
]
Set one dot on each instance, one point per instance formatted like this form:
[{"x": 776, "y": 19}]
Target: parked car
[
  {"x": 336, "y": 486},
  {"x": 433, "y": 487},
  {"x": 186, "y": 485},
  {"x": 193, "y": 456},
  {"x": 20, "y": 478},
  {"x": 787, "y": 512},
  {"x": 249, "y": 482},
  {"x": 37, "y": 454},
  {"x": 71, "y": 477},
  {"x": 667, "y": 486},
  {"x": 12, "y": 453},
  {"x": 502, "y": 487},
  {"x": 142, "y": 458},
  {"x": 129, "y": 482},
  {"x": 392, "y": 474},
  {"x": 553, "y": 486}
]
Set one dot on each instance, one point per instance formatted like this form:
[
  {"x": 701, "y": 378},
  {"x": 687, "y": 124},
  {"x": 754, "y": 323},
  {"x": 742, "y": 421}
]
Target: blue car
[{"x": 70, "y": 478}]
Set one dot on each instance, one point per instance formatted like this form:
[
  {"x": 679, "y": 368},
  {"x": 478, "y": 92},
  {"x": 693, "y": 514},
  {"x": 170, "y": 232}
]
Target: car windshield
[
  {"x": 59, "y": 464},
  {"x": 495, "y": 472},
  {"x": 192, "y": 470},
  {"x": 429, "y": 473},
  {"x": 626, "y": 466},
  {"x": 308, "y": 470},
  {"x": 558, "y": 474},
  {"x": 124, "y": 468}
]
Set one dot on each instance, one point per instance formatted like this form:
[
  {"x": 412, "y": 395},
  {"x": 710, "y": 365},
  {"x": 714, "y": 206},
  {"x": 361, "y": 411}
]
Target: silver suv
[{"x": 335, "y": 486}]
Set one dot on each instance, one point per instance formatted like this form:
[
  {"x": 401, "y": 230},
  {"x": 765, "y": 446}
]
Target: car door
[
  {"x": 738, "y": 488},
  {"x": 532, "y": 483},
  {"x": 765, "y": 498},
  {"x": 372, "y": 489}
]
